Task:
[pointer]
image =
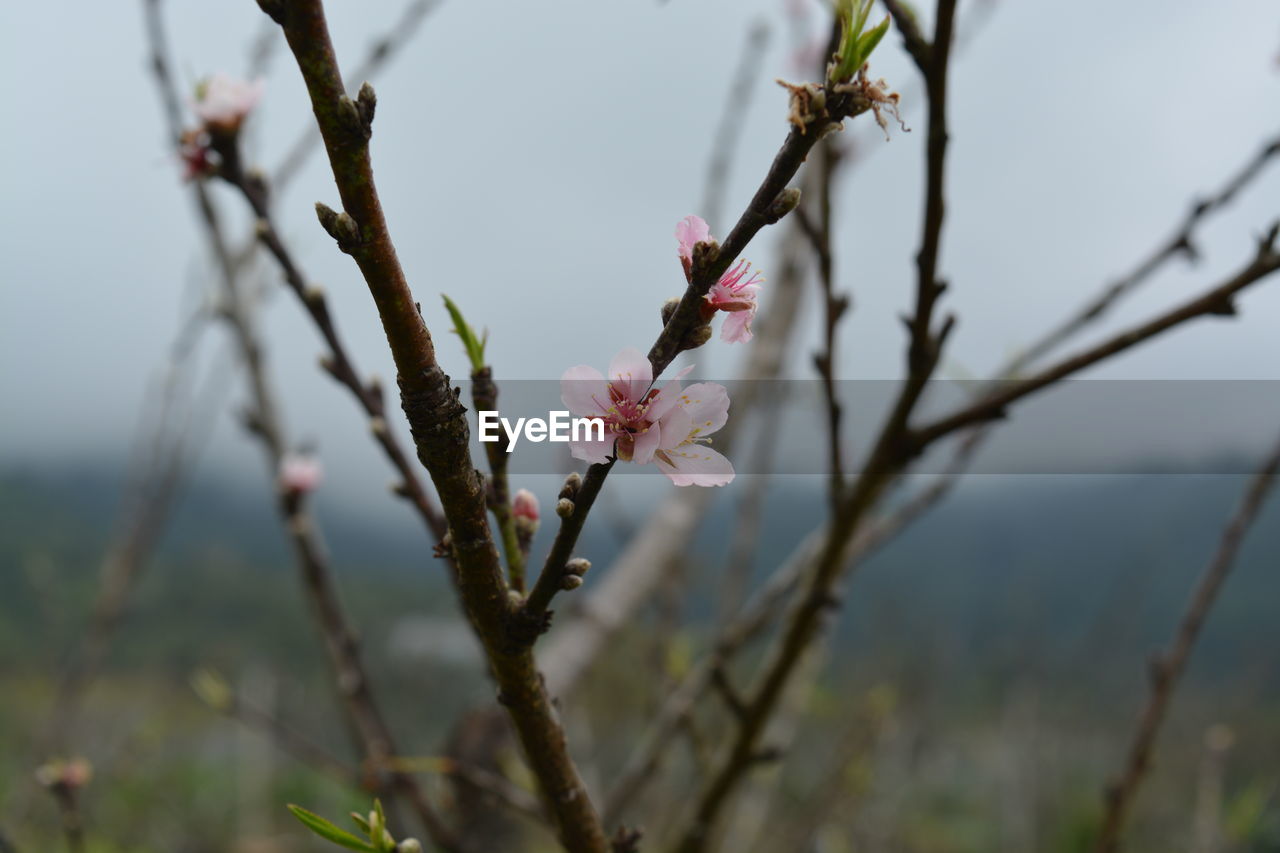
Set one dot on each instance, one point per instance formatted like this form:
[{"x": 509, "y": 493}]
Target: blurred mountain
[{"x": 1009, "y": 575}]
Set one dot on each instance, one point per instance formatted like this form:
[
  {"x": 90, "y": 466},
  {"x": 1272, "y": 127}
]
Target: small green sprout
[
  {"x": 473, "y": 345},
  {"x": 855, "y": 44}
]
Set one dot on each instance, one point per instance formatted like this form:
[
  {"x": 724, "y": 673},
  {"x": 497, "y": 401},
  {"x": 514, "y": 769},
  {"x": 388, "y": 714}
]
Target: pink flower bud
[
  {"x": 525, "y": 505},
  {"x": 300, "y": 473},
  {"x": 223, "y": 102}
]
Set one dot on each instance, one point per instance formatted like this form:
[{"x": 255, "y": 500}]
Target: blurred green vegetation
[{"x": 979, "y": 687}]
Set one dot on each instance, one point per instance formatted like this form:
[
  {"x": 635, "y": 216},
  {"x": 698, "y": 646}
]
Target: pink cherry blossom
[
  {"x": 645, "y": 424},
  {"x": 222, "y": 102},
  {"x": 735, "y": 293},
  {"x": 627, "y": 404},
  {"x": 300, "y": 473},
  {"x": 525, "y": 505},
  {"x": 684, "y": 454}
]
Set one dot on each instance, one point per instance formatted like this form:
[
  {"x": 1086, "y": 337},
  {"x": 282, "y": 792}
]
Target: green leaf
[
  {"x": 329, "y": 832},
  {"x": 870, "y": 39},
  {"x": 864, "y": 10},
  {"x": 473, "y": 345}
]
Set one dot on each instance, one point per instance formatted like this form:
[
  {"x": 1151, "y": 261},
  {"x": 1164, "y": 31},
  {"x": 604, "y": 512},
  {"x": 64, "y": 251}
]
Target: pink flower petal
[
  {"x": 737, "y": 327},
  {"x": 590, "y": 450},
  {"x": 696, "y": 465},
  {"x": 691, "y": 231},
  {"x": 631, "y": 374},
  {"x": 584, "y": 391},
  {"x": 645, "y": 444},
  {"x": 676, "y": 427},
  {"x": 707, "y": 405}
]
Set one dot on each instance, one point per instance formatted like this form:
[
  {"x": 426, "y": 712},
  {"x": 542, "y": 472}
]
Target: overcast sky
[{"x": 533, "y": 159}]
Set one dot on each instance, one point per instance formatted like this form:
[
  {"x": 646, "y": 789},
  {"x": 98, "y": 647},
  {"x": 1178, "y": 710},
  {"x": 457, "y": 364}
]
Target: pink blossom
[
  {"x": 525, "y": 505},
  {"x": 300, "y": 473},
  {"x": 735, "y": 293},
  {"x": 222, "y": 102},
  {"x": 645, "y": 424},
  {"x": 685, "y": 455}
]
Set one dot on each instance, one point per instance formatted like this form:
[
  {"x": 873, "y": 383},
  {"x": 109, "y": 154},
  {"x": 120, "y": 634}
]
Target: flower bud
[
  {"x": 409, "y": 845},
  {"x": 570, "y": 582},
  {"x": 577, "y": 566},
  {"x": 525, "y": 505},
  {"x": 571, "y": 485},
  {"x": 223, "y": 102},
  {"x": 564, "y": 507},
  {"x": 366, "y": 104},
  {"x": 697, "y": 336},
  {"x": 669, "y": 309},
  {"x": 786, "y": 201}
]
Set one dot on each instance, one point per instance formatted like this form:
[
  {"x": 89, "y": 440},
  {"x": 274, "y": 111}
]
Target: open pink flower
[
  {"x": 735, "y": 293},
  {"x": 645, "y": 424},
  {"x": 684, "y": 454},
  {"x": 627, "y": 404},
  {"x": 222, "y": 102}
]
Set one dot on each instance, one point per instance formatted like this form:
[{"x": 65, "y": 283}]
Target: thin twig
[
  {"x": 551, "y": 578},
  {"x": 484, "y": 397},
  {"x": 1167, "y": 669}
]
